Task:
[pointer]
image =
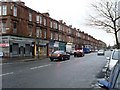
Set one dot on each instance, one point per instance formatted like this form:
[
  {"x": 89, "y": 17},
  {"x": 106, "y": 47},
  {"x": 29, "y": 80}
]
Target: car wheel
[
  {"x": 68, "y": 58},
  {"x": 62, "y": 58},
  {"x": 74, "y": 55},
  {"x": 82, "y": 55}
]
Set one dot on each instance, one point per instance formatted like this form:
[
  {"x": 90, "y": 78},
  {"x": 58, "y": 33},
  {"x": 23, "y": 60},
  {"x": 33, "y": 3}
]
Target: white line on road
[
  {"x": 64, "y": 61},
  {"x": 6, "y": 74},
  {"x": 40, "y": 67}
]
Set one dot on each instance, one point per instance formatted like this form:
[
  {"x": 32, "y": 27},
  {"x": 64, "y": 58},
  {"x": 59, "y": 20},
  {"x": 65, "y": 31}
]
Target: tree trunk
[{"x": 117, "y": 43}]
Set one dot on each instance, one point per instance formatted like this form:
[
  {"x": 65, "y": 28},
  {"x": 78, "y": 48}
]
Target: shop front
[
  {"x": 13, "y": 46},
  {"x": 41, "y": 48}
]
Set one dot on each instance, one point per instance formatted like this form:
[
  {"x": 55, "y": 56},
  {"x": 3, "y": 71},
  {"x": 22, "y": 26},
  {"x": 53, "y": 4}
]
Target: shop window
[
  {"x": 27, "y": 49},
  {"x": 15, "y": 49},
  {"x": 10, "y": 48}
]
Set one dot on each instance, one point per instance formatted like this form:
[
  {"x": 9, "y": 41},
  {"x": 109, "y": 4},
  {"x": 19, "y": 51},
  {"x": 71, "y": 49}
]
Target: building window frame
[
  {"x": 45, "y": 34},
  {"x": 38, "y": 19},
  {"x": 4, "y": 10},
  {"x": 30, "y": 16},
  {"x": 37, "y": 32},
  {"x": 3, "y": 25},
  {"x": 45, "y": 22},
  {"x": 52, "y": 35},
  {"x": 51, "y": 24},
  {"x": 30, "y": 30},
  {"x": 40, "y": 33},
  {"x": 15, "y": 11},
  {"x": 0, "y": 10},
  {"x": 14, "y": 27}
]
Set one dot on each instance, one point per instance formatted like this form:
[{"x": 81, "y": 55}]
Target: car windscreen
[
  {"x": 116, "y": 55},
  {"x": 101, "y": 50}
]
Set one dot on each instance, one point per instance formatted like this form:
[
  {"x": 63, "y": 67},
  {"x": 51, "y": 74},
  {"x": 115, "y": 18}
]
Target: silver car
[
  {"x": 101, "y": 52},
  {"x": 115, "y": 56}
]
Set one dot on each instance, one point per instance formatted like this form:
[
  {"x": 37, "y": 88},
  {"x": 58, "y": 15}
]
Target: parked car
[
  {"x": 78, "y": 53},
  {"x": 59, "y": 55},
  {"x": 86, "y": 50},
  {"x": 115, "y": 56},
  {"x": 113, "y": 82},
  {"x": 101, "y": 52}
]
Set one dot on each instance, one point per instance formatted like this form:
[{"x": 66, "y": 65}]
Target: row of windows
[
  {"x": 39, "y": 19},
  {"x": 40, "y": 34},
  {"x": 60, "y": 37},
  {"x": 3, "y": 10},
  {"x": 4, "y": 27}
]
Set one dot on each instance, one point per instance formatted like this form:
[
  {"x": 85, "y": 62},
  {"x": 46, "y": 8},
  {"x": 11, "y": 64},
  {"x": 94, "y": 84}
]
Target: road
[{"x": 77, "y": 72}]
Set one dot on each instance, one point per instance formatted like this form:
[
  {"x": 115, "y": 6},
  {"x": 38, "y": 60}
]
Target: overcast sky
[{"x": 73, "y": 12}]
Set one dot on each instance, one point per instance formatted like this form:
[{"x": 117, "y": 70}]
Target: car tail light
[
  {"x": 81, "y": 50},
  {"x": 77, "y": 50},
  {"x": 58, "y": 55},
  {"x": 49, "y": 54}
]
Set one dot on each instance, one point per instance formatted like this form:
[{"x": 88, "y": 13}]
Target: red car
[
  {"x": 78, "y": 53},
  {"x": 59, "y": 55}
]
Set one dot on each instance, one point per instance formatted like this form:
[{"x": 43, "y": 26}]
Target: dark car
[
  {"x": 113, "y": 82},
  {"x": 59, "y": 55},
  {"x": 78, "y": 53}
]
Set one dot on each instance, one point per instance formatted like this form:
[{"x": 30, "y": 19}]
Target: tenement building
[{"x": 26, "y": 32}]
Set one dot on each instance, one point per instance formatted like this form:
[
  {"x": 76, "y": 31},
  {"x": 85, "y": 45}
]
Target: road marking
[
  {"x": 64, "y": 61},
  {"x": 5, "y": 64},
  {"x": 6, "y": 74},
  {"x": 40, "y": 67}
]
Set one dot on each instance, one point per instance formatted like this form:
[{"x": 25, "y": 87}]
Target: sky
[{"x": 73, "y": 12}]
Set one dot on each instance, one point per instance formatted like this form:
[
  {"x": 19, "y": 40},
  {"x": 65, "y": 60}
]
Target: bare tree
[{"x": 107, "y": 17}]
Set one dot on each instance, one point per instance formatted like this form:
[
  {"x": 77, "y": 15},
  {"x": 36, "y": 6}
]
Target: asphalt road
[{"x": 77, "y": 72}]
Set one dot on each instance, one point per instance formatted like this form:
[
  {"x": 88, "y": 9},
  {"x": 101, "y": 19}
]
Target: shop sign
[
  {"x": 56, "y": 44},
  {"x": 4, "y": 45}
]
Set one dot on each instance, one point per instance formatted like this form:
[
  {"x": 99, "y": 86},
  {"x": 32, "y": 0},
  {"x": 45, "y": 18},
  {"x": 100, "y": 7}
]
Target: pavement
[{"x": 20, "y": 59}]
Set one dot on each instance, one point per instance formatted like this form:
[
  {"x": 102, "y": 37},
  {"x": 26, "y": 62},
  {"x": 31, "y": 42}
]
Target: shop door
[{"x": 21, "y": 51}]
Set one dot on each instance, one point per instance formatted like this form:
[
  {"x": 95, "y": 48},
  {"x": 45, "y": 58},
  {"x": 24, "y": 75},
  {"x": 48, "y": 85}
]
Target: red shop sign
[{"x": 4, "y": 44}]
